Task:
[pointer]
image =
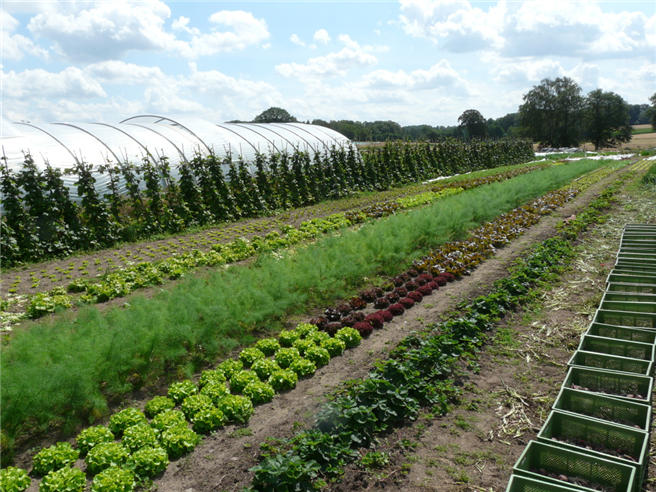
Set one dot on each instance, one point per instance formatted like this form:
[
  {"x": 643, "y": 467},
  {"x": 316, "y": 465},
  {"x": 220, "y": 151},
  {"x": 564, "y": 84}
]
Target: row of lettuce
[
  {"x": 419, "y": 373},
  {"x": 41, "y": 221},
  {"x": 124, "y": 281},
  {"x": 295, "y": 354},
  {"x": 64, "y": 370}
]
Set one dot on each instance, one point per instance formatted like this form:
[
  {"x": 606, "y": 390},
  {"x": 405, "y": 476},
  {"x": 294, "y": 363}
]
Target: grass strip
[
  {"x": 65, "y": 370},
  {"x": 417, "y": 374}
]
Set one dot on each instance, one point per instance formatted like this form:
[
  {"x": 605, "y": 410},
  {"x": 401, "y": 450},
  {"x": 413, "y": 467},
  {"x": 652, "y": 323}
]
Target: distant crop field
[{"x": 640, "y": 129}]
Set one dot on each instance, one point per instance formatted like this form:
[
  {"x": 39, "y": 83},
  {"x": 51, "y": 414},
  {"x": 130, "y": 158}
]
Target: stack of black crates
[{"x": 597, "y": 435}]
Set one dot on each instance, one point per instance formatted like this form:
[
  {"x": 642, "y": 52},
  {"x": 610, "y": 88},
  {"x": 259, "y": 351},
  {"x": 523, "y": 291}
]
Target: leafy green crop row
[
  {"x": 66, "y": 369},
  {"x": 124, "y": 281},
  {"x": 41, "y": 221},
  {"x": 418, "y": 373}
]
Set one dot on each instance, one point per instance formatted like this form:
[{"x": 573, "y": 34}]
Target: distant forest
[{"x": 378, "y": 131}]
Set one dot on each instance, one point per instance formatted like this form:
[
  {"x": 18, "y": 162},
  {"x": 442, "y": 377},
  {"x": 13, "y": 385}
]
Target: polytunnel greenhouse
[{"x": 63, "y": 145}]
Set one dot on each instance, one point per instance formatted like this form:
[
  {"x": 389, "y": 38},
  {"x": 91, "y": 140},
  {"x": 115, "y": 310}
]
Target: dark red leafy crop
[
  {"x": 398, "y": 281},
  {"x": 348, "y": 321},
  {"x": 440, "y": 280},
  {"x": 369, "y": 295},
  {"x": 413, "y": 273},
  {"x": 344, "y": 309},
  {"x": 387, "y": 287},
  {"x": 449, "y": 277},
  {"x": 425, "y": 276},
  {"x": 406, "y": 302},
  {"x": 357, "y": 303},
  {"x": 397, "y": 309},
  {"x": 411, "y": 286},
  {"x": 406, "y": 277},
  {"x": 420, "y": 281},
  {"x": 385, "y": 314},
  {"x": 364, "y": 327},
  {"x": 381, "y": 303},
  {"x": 376, "y": 320},
  {"x": 402, "y": 291},
  {"x": 392, "y": 297},
  {"x": 424, "y": 290},
  {"x": 319, "y": 322},
  {"x": 416, "y": 296},
  {"x": 433, "y": 285},
  {"x": 332, "y": 314},
  {"x": 359, "y": 316},
  {"x": 332, "y": 328}
]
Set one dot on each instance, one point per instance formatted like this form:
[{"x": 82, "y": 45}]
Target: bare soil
[{"x": 503, "y": 405}]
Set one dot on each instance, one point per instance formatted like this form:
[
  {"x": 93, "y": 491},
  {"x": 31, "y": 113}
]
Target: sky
[{"x": 410, "y": 61}]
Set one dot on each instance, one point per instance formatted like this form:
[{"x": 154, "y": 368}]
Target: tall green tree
[
  {"x": 474, "y": 123},
  {"x": 606, "y": 119},
  {"x": 552, "y": 112},
  {"x": 652, "y": 111},
  {"x": 275, "y": 115}
]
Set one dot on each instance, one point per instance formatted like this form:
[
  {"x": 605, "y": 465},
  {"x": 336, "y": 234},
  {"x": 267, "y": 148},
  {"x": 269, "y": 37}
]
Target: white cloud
[
  {"x": 453, "y": 24},
  {"x": 70, "y": 83},
  {"x": 245, "y": 31},
  {"x": 104, "y": 30},
  {"x": 321, "y": 36},
  {"x": 439, "y": 76},
  {"x": 296, "y": 40},
  {"x": 635, "y": 85},
  {"x": 118, "y": 72},
  {"x": 108, "y": 30},
  {"x": 530, "y": 28},
  {"x": 334, "y": 64},
  {"x": 16, "y": 46}
]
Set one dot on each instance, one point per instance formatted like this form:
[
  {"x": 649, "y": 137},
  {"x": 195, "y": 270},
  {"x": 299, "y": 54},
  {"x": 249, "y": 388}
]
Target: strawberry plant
[
  {"x": 148, "y": 461},
  {"x": 113, "y": 479},
  {"x": 14, "y": 479},
  {"x": 66, "y": 479},
  {"x": 53, "y": 458},
  {"x": 91, "y": 436},
  {"x": 105, "y": 455},
  {"x": 157, "y": 405},
  {"x": 285, "y": 472}
]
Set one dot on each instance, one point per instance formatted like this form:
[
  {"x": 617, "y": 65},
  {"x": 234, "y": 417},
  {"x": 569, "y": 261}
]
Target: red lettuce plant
[
  {"x": 427, "y": 277},
  {"x": 411, "y": 285},
  {"x": 376, "y": 320},
  {"x": 357, "y": 304},
  {"x": 405, "y": 277},
  {"x": 364, "y": 328},
  {"x": 416, "y": 296},
  {"x": 385, "y": 314},
  {"x": 402, "y": 291},
  {"x": 406, "y": 302},
  {"x": 348, "y": 321},
  {"x": 398, "y": 281},
  {"x": 332, "y": 314},
  {"x": 344, "y": 309},
  {"x": 359, "y": 316},
  {"x": 424, "y": 290},
  {"x": 381, "y": 303},
  {"x": 397, "y": 309},
  {"x": 420, "y": 281},
  {"x": 392, "y": 297},
  {"x": 440, "y": 280},
  {"x": 320, "y": 322},
  {"x": 413, "y": 273},
  {"x": 433, "y": 285},
  {"x": 332, "y": 328},
  {"x": 369, "y": 295}
]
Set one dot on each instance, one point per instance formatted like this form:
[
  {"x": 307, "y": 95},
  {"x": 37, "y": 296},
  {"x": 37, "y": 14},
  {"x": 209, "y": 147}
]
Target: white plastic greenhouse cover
[{"x": 62, "y": 145}]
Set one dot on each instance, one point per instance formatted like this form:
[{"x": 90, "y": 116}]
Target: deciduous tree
[
  {"x": 606, "y": 119},
  {"x": 275, "y": 115},
  {"x": 552, "y": 112},
  {"x": 474, "y": 123}
]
